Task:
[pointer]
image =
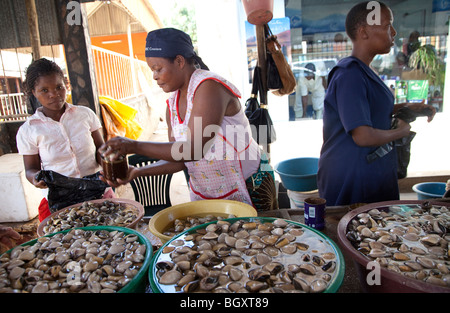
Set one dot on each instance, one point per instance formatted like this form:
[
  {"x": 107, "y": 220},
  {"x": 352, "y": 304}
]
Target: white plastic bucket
[{"x": 297, "y": 198}]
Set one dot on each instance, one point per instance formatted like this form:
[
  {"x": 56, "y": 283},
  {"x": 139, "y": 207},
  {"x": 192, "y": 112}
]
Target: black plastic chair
[{"x": 151, "y": 191}]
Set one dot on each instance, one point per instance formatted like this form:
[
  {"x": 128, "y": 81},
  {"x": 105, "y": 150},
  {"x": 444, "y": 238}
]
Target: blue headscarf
[{"x": 170, "y": 42}]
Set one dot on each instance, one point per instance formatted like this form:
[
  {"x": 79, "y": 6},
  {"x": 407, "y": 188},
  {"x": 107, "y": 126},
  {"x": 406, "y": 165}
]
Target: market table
[{"x": 350, "y": 283}]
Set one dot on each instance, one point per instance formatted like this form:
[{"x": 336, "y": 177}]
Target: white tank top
[{"x": 210, "y": 178}]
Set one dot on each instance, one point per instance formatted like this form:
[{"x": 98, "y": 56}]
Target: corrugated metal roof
[
  {"x": 14, "y": 32},
  {"x": 14, "y": 23},
  {"x": 111, "y": 19},
  {"x": 48, "y": 25}
]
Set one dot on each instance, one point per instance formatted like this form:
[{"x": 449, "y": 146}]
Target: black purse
[
  {"x": 258, "y": 115},
  {"x": 273, "y": 76},
  {"x": 251, "y": 105}
]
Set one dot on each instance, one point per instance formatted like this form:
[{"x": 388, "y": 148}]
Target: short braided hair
[{"x": 38, "y": 68}]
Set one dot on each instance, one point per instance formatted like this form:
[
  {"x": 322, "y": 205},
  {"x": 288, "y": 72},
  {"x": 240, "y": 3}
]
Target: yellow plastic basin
[{"x": 163, "y": 219}]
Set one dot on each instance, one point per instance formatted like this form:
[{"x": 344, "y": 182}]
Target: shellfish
[
  {"x": 411, "y": 241},
  {"x": 248, "y": 256}
]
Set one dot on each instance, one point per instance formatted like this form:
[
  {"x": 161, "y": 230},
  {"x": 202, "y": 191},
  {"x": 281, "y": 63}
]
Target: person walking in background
[
  {"x": 357, "y": 118},
  {"x": 312, "y": 83}
]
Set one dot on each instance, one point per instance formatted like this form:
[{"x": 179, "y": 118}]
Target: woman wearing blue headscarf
[{"x": 209, "y": 133}]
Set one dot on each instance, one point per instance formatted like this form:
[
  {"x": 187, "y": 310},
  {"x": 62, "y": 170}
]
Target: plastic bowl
[
  {"x": 333, "y": 287},
  {"x": 139, "y": 282},
  {"x": 299, "y": 174},
  {"x": 126, "y": 202},
  {"x": 389, "y": 280},
  {"x": 163, "y": 219},
  {"x": 429, "y": 190}
]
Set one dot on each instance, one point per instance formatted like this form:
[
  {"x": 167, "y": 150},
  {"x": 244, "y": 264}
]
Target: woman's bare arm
[
  {"x": 366, "y": 136},
  {"x": 32, "y": 164}
]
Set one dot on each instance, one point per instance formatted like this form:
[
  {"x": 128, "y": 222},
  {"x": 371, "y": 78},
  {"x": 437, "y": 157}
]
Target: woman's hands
[
  {"x": 32, "y": 164},
  {"x": 8, "y": 237},
  {"x": 366, "y": 136},
  {"x": 38, "y": 183},
  {"x": 111, "y": 150},
  {"x": 117, "y": 146},
  {"x": 403, "y": 128}
]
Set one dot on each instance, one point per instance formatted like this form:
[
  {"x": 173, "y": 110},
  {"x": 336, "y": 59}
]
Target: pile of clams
[
  {"x": 185, "y": 223},
  {"x": 247, "y": 255},
  {"x": 412, "y": 240},
  {"x": 105, "y": 213},
  {"x": 78, "y": 261}
]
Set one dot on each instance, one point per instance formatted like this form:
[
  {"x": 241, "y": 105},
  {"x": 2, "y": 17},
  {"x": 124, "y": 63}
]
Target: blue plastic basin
[
  {"x": 429, "y": 190},
  {"x": 299, "y": 174}
]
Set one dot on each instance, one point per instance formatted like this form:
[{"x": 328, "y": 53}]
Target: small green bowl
[
  {"x": 139, "y": 282},
  {"x": 333, "y": 287}
]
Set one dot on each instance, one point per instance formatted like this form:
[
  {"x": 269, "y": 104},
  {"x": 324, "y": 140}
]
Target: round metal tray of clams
[{"x": 250, "y": 254}]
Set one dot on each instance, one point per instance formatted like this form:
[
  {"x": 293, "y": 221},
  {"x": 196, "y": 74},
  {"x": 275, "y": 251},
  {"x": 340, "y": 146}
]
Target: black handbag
[
  {"x": 252, "y": 103},
  {"x": 402, "y": 145},
  {"x": 273, "y": 76},
  {"x": 258, "y": 116}
]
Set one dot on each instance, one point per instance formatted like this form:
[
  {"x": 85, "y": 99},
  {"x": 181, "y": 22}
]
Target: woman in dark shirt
[{"x": 358, "y": 110}]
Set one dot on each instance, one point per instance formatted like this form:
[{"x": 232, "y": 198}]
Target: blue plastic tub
[
  {"x": 299, "y": 174},
  {"x": 429, "y": 190}
]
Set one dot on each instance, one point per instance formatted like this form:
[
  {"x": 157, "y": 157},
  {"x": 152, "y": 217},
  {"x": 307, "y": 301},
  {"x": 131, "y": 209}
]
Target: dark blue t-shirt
[{"x": 356, "y": 96}]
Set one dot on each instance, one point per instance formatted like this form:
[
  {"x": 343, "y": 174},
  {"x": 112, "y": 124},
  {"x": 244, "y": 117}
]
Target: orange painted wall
[{"x": 121, "y": 47}]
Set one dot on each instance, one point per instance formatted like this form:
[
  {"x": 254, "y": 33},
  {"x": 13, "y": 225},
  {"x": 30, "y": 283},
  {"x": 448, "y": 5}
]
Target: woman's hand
[
  {"x": 8, "y": 237},
  {"x": 38, "y": 183},
  {"x": 366, "y": 136},
  {"x": 132, "y": 174},
  {"x": 117, "y": 146},
  {"x": 403, "y": 127},
  {"x": 32, "y": 164}
]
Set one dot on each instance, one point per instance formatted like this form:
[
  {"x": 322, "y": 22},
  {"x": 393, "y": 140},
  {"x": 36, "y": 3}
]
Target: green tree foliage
[{"x": 182, "y": 17}]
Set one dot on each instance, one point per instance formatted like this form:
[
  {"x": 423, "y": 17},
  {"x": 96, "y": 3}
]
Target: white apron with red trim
[{"x": 219, "y": 174}]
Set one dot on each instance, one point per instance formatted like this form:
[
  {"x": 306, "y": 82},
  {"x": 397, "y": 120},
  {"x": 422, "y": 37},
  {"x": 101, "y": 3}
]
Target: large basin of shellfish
[
  {"x": 100, "y": 212},
  {"x": 399, "y": 246},
  {"x": 97, "y": 259},
  {"x": 164, "y": 219},
  {"x": 250, "y": 254}
]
